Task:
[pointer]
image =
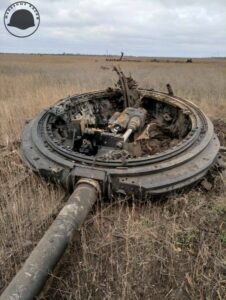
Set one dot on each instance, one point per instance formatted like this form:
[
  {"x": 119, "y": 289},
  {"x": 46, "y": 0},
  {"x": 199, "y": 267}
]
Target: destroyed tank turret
[
  {"x": 120, "y": 141},
  {"x": 131, "y": 140}
]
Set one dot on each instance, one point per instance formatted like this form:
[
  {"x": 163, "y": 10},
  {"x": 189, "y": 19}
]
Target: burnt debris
[
  {"x": 123, "y": 141},
  {"x": 137, "y": 140}
]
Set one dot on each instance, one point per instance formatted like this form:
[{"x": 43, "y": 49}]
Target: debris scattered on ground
[{"x": 206, "y": 184}]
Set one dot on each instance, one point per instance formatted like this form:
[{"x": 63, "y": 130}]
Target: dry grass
[{"x": 173, "y": 249}]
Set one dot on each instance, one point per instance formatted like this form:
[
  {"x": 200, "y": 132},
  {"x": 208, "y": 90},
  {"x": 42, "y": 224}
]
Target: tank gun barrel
[
  {"x": 29, "y": 281},
  {"x": 137, "y": 141}
]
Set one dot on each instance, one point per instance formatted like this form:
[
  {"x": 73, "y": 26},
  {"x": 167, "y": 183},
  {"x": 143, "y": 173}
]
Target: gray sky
[{"x": 138, "y": 27}]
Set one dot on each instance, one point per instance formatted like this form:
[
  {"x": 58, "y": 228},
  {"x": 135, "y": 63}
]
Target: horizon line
[{"x": 106, "y": 55}]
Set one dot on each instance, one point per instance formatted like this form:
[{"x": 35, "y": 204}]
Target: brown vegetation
[{"x": 174, "y": 248}]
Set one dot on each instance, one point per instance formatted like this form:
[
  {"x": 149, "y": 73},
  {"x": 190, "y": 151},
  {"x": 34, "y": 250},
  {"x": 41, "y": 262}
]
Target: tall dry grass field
[{"x": 172, "y": 249}]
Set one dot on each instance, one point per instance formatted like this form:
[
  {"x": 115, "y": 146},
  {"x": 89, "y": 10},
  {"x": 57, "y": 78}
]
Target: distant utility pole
[{"x": 122, "y": 53}]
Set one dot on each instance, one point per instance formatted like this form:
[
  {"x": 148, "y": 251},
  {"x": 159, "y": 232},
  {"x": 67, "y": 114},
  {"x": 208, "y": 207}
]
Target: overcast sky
[{"x": 190, "y": 28}]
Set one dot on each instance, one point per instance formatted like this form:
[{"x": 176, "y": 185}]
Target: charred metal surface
[
  {"x": 170, "y": 90},
  {"x": 123, "y": 140},
  {"x": 141, "y": 141},
  {"x": 117, "y": 141},
  {"x": 128, "y": 86}
]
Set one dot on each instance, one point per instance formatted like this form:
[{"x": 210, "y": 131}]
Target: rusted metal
[
  {"x": 29, "y": 281},
  {"x": 128, "y": 86},
  {"x": 170, "y": 90},
  {"x": 130, "y": 141},
  {"x": 75, "y": 138}
]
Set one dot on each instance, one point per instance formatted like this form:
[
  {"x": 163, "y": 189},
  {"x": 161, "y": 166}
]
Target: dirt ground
[{"x": 172, "y": 248}]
